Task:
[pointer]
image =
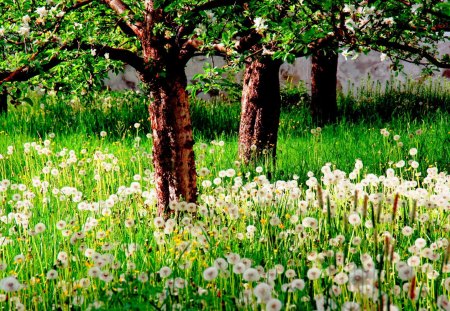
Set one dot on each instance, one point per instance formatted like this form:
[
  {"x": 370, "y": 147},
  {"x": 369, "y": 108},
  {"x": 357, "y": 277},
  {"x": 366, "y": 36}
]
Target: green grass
[
  {"x": 102, "y": 188},
  {"x": 402, "y": 109},
  {"x": 374, "y": 101},
  {"x": 299, "y": 151}
]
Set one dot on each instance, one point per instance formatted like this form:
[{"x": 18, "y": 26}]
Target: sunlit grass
[
  {"x": 79, "y": 231},
  {"x": 355, "y": 216}
]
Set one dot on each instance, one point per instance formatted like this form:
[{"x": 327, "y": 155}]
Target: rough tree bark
[
  {"x": 323, "y": 85},
  {"x": 173, "y": 155},
  {"x": 3, "y": 100},
  {"x": 260, "y": 113}
]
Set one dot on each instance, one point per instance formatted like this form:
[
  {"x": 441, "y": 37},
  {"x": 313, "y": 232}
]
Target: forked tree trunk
[
  {"x": 323, "y": 86},
  {"x": 260, "y": 114},
  {"x": 173, "y": 155},
  {"x": 3, "y": 100}
]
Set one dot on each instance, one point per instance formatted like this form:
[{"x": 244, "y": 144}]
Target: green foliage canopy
[{"x": 93, "y": 36}]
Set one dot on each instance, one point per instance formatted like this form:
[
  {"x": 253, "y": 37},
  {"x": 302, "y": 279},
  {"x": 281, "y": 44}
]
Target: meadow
[{"x": 355, "y": 215}]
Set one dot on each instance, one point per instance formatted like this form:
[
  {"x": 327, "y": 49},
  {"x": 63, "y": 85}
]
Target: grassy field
[
  {"x": 355, "y": 216},
  {"x": 403, "y": 110}
]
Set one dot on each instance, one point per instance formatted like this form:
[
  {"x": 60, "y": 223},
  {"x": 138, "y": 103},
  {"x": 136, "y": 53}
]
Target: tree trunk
[
  {"x": 173, "y": 155},
  {"x": 323, "y": 86},
  {"x": 260, "y": 115},
  {"x": 3, "y": 100}
]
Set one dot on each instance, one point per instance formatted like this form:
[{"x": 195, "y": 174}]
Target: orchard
[{"x": 286, "y": 198}]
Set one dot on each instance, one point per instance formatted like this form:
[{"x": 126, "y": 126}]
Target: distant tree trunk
[
  {"x": 3, "y": 100},
  {"x": 260, "y": 115},
  {"x": 323, "y": 86}
]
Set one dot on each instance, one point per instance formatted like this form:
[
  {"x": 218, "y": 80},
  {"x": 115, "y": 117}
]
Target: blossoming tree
[
  {"x": 261, "y": 36},
  {"x": 270, "y": 32},
  {"x": 401, "y": 30},
  {"x": 157, "y": 38}
]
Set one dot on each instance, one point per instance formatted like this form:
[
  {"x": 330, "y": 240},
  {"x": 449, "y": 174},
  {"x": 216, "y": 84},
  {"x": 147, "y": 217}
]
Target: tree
[
  {"x": 157, "y": 38},
  {"x": 401, "y": 30},
  {"x": 284, "y": 30},
  {"x": 260, "y": 100},
  {"x": 324, "y": 63},
  {"x": 261, "y": 105},
  {"x": 262, "y": 35}
]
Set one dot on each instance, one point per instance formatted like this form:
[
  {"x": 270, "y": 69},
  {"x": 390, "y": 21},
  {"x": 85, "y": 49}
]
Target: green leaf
[
  {"x": 327, "y": 4},
  {"x": 28, "y": 101},
  {"x": 444, "y": 8}
]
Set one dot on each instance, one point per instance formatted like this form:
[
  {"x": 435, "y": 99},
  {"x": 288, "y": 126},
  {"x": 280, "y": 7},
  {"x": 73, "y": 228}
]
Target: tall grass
[
  {"x": 355, "y": 216},
  {"x": 374, "y": 101},
  {"x": 78, "y": 231},
  {"x": 356, "y": 136},
  {"x": 116, "y": 112}
]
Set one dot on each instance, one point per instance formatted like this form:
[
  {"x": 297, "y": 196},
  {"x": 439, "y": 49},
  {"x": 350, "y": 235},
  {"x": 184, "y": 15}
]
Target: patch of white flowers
[
  {"x": 260, "y": 24},
  {"x": 268, "y": 243}
]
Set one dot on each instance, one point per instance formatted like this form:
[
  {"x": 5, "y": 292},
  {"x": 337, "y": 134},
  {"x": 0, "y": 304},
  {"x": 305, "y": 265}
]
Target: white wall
[{"x": 350, "y": 72}]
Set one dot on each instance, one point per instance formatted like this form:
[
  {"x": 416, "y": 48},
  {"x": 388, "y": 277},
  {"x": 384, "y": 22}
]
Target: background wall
[{"x": 351, "y": 73}]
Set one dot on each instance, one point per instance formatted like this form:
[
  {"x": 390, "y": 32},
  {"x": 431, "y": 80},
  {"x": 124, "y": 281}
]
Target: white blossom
[
  {"x": 260, "y": 24},
  {"x": 24, "y": 30},
  {"x": 42, "y": 11}
]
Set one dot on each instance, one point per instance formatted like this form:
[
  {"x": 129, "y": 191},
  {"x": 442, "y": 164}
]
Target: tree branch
[
  {"x": 27, "y": 72},
  {"x": 191, "y": 47},
  {"x": 78, "y": 5},
  {"x": 123, "y": 55},
  {"x": 248, "y": 41},
  {"x": 124, "y": 11},
  {"x": 214, "y": 4},
  {"x": 441, "y": 26},
  {"x": 413, "y": 50},
  {"x": 407, "y": 3}
]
